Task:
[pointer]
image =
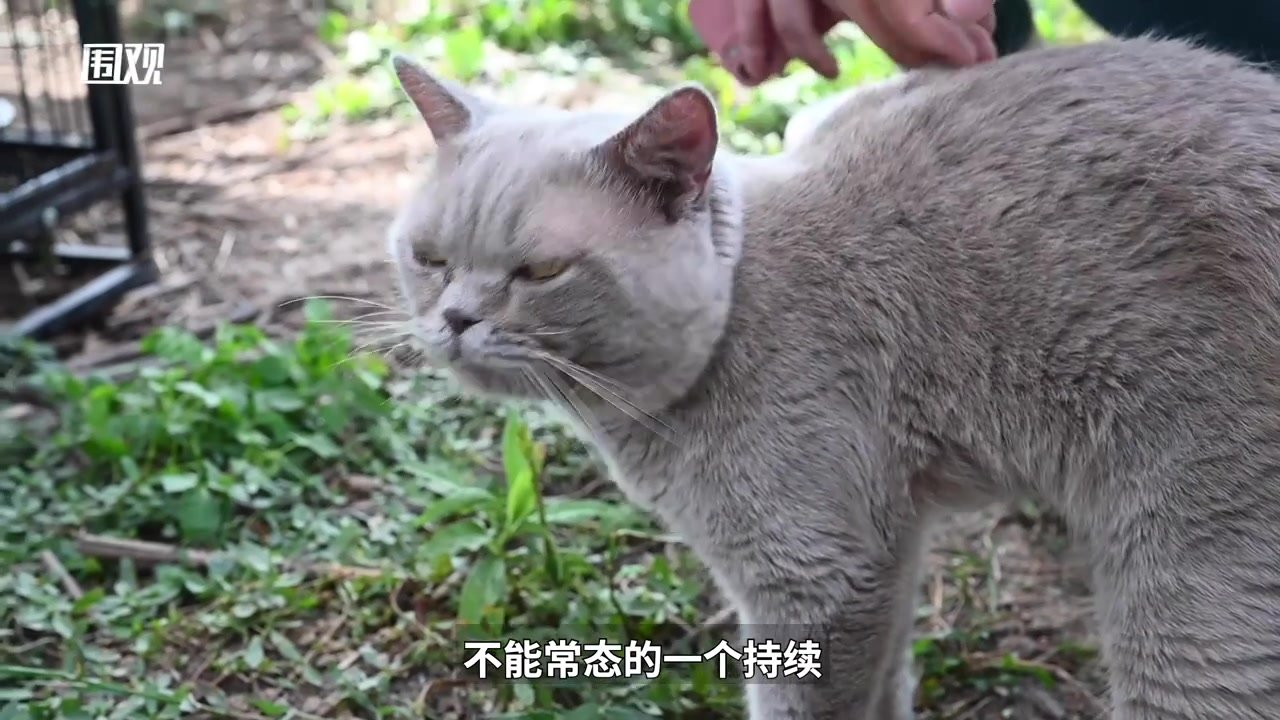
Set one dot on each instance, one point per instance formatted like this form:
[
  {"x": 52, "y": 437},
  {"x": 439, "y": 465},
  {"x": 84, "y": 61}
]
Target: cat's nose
[{"x": 459, "y": 320}]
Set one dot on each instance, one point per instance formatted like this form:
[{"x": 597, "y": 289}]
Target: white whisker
[
  {"x": 575, "y": 407},
  {"x": 618, "y": 401},
  {"x": 608, "y": 382},
  {"x": 337, "y": 297}
]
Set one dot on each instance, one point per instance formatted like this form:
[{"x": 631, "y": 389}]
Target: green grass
[
  {"x": 279, "y": 459},
  {"x": 342, "y": 529}
]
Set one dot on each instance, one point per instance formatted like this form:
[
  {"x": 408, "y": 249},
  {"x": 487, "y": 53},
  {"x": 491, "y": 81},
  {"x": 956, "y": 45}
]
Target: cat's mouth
[{"x": 492, "y": 351}]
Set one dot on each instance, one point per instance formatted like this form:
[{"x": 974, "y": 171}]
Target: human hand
[
  {"x": 743, "y": 34},
  {"x": 915, "y": 33},
  {"x": 756, "y": 38}
]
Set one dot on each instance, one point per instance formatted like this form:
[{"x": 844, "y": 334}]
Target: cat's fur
[{"x": 1054, "y": 276}]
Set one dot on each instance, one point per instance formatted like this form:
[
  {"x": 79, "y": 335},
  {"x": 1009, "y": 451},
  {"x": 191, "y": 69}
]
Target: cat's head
[{"x": 547, "y": 248}]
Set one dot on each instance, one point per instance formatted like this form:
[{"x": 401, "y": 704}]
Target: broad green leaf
[
  {"x": 280, "y": 400},
  {"x": 195, "y": 390},
  {"x": 285, "y": 647},
  {"x": 464, "y": 500},
  {"x": 271, "y": 709},
  {"x": 521, "y": 498},
  {"x": 572, "y": 511},
  {"x": 319, "y": 444},
  {"x": 200, "y": 516},
  {"x": 254, "y": 653},
  {"x": 515, "y": 446},
  {"x": 255, "y": 557},
  {"x": 442, "y": 478},
  {"x": 516, "y": 460},
  {"x": 174, "y": 483},
  {"x": 461, "y": 536},
  {"x": 484, "y": 590}
]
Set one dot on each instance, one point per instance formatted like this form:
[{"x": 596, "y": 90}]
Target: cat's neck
[{"x": 686, "y": 389}]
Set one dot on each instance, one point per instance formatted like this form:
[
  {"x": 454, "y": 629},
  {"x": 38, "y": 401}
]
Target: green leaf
[
  {"x": 515, "y": 444},
  {"x": 210, "y": 399},
  {"x": 521, "y": 498},
  {"x": 255, "y": 557},
  {"x": 573, "y": 511},
  {"x": 461, "y": 536},
  {"x": 91, "y": 597},
  {"x": 254, "y": 653},
  {"x": 465, "y": 500},
  {"x": 200, "y": 516},
  {"x": 484, "y": 591},
  {"x": 280, "y": 400},
  {"x": 319, "y": 444},
  {"x": 442, "y": 479},
  {"x": 285, "y": 647},
  {"x": 517, "y": 461},
  {"x": 174, "y": 483},
  {"x": 271, "y": 709}
]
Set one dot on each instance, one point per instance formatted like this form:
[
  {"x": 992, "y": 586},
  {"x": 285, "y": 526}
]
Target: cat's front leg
[{"x": 853, "y": 609}]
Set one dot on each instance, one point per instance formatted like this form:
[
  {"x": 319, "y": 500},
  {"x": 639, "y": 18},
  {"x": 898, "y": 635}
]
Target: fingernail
[{"x": 966, "y": 10}]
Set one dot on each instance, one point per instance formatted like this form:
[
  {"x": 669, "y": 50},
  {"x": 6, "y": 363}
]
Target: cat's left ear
[
  {"x": 449, "y": 110},
  {"x": 668, "y": 152}
]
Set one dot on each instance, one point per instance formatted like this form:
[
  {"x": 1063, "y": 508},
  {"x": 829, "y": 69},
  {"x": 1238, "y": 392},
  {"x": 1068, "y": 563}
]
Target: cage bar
[{"x": 65, "y": 145}]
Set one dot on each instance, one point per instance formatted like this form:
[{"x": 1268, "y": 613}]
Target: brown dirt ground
[{"x": 238, "y": 217}]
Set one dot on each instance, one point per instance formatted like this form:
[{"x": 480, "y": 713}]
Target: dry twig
[
  {"x": 59, "y": 571},
  {"x": 154, "y": 553}
]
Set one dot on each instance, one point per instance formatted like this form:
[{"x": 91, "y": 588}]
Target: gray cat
[{"x": 1056, "y": 276}]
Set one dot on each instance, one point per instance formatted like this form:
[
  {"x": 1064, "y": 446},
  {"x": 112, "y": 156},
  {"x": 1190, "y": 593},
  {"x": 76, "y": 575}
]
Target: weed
[{"x": 277, "y": 458}]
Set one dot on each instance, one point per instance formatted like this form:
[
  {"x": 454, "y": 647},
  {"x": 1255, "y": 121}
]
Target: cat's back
[
  {"x": 1065, "y": 130},
  {"x": 1081, "y": 231},
  {"x": 1135, "y": 93},
  {"x": 1048, "y": 178}
]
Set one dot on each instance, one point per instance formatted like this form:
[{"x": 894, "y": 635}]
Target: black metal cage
[{"x": 67, "y": 143}]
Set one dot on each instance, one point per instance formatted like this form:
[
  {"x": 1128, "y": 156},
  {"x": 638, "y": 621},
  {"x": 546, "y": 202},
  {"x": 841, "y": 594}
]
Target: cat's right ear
[
  {"x": 669, "y": 150},
  {"x": 448, "y": 109}
]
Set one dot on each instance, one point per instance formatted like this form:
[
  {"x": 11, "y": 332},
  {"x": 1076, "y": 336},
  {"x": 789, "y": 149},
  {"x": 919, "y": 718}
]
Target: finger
[
  {"x": 824, "y": 17},
  {"x": 967, "y": 11},
  {"x": 927, "y": 31},
  {"x": 777, "y": 59},
  {"x": 868, "y": 16},
  {"x": 753, "y": 39},
  {"x": 982, "y": 42},
  {"x": 946, "y": 38},
  {"x": 988, "y": 22},
  {"x": 796, "y": 26}
]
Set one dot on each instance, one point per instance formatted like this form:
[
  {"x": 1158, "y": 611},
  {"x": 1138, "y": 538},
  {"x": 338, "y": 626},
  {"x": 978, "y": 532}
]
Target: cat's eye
[
  {"x": 428, "y": 259},
  {"x": 541, "y": 271}
]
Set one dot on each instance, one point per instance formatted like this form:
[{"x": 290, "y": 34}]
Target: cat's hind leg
[{"x": 1188, "y": 587}]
